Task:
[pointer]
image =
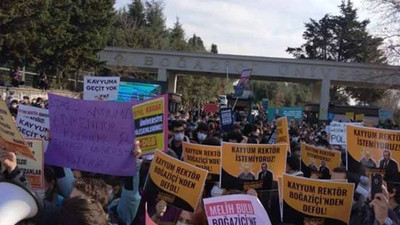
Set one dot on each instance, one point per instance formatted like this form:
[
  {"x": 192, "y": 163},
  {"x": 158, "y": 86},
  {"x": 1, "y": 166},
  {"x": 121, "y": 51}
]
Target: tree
[
  {"x": 214, "y": 48},
  {"x": 345, "y": 39},
  {"x": 136, "y": 13},
  {"x": 155, "y": 25},
  {"x": 19, "y": 24},
  {"x": 196, "y": 44},
  {"x": 177, "y": 37}
]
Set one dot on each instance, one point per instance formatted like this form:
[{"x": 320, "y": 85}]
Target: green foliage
[
  {"x": 342, "y": 38},
  {"x": 281, "y": 94}
]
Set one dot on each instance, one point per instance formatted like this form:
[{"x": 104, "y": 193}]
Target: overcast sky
[{"x": 250, "y": 27}]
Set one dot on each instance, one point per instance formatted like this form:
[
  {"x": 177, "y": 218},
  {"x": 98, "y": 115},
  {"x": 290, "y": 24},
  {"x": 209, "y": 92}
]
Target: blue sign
[
  {"x": 331, "y": 116},
  {"x": 292, "y": 113},
  {"x": 265, "y": 103},
  {"x": 243, "y": 80},
  {"x": 226, "y": 119},
  {"x": 385, "y": 114}
]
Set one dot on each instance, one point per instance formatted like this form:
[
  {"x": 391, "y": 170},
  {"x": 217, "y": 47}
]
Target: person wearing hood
[{"x": 201, "y": 133}]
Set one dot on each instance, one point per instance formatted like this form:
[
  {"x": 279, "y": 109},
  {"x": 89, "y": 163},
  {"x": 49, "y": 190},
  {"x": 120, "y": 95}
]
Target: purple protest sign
[{"x": 94, "y": 136}]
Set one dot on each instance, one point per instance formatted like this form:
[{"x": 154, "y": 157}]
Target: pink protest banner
[
  {"x": 149, "y": 221},
  {"x": 229, "y": 208},
  {"x": 93, "y": 136}
]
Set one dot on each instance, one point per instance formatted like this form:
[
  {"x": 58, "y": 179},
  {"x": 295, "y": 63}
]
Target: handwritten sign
[
  {"x": 101, "y": 88},
  {"x": 92, "y": 136},
  {"x": 151, "y": 126},
  {"x": 33, "y": 169},
  {"x": 10, "y": 138},
  {"x": 231, "y": 209}
]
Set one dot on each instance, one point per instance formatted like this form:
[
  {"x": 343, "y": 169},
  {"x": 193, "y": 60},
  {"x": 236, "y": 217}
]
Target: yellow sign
[
  {"x": 151, "y": 124},
  {"x": 245, "y": 166},
  {"x": 204, "y": 156},
  {"x": 310, "y": 200},
  {"x": 282, "y": 132},
  {"x": 359, "y": 117},
  {"x": 318, "y": 159},
  {"x": 33, "y": 169},
  {"x": 10, "y": 138},
  {"x": 176, "y": 182},
  {"x": 350, "y": 115},
  {"x": 368, "y": 146}
]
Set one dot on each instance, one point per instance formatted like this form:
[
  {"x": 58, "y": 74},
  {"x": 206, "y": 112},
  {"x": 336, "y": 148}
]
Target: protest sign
[
  {"x": 235, "y": 209},
  {"x": 92, "y": 136},
  {"x": 370, "y": 148},
  {"x": 265, "y": 104},
  {"x": 243, "y": 80},
  {"x": 350, "y": 115},
  {"x": 319, "y": 160},
  {"x": 10, "y": 138},
  {"x": 280, "y": 195},
  {"x": 33, "y": 169},
  {"x": 34, "y": 113},
  {"x": 100, "y": 88},
  {"x": 282, "y": 132},
  {"x": 177, "y": 183},
  {"x": 210, "y": 108},
  {"x": 30, "y": 128},
  {"x": 323, "y": 202},
  {"x": 338, "y": 133},
  {"x": 385, "y": 114},
  {"x": 151, "y": 124},
  {"x": 257, "y": 166},
  {"x": 149, "y": 221},
  {"x": 203, "y": 156},
  {"x": 359, "y": 117},
  {"x": 292, "y": 113},
  {"x": 226, "y": 119}
]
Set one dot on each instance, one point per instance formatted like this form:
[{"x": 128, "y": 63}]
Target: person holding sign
[{"x": 11, "y": 170}]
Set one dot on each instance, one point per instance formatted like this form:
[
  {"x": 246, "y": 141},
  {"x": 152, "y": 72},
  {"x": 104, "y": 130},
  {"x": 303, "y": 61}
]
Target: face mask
[
  {"x": 201, "y": 136},
  {"x": 14, "y": 106},
  {"x": 295, "y": 139},
  {"x": 179, "y": 137},
  {"x": 216, "y": 191},
  {"x": 180, "y": 223}
]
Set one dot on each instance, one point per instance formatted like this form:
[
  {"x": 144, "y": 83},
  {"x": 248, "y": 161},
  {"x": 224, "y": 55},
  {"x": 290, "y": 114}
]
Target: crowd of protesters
[{"x": 80, "y": 198}]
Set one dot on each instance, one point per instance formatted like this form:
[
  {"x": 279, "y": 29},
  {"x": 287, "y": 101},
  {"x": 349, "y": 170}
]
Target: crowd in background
[{"x": 78, "y": 198}]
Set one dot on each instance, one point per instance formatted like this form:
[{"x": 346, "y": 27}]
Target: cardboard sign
[
  {"x": 235, "y": 209},
  {"x": 30, "y": 128},
  {"x": 34, "y": 169},
  {"x": 308, "y": 201},
  {"x": 101, "y": 88},
  {"x": 319, "y": 160},
  {"x": 10, "y": 138},
  {"x": 92, "y": 136},
  {"x": 245, "y": 166},
  {"x": 338, "y": 132},
  {"x": 243, "y": 80},
  {"x": 226, "y": 119},
  {"x": 151, "y": 124},
  {"x": 368, "y": 147},
  {"x": 176, "y": 182},
  {"x": 34, "y": 113},
  {"x": 204, "y": 156},
  {"x": 210, "y": 108},
  {"x": 282, "y": 132}
]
